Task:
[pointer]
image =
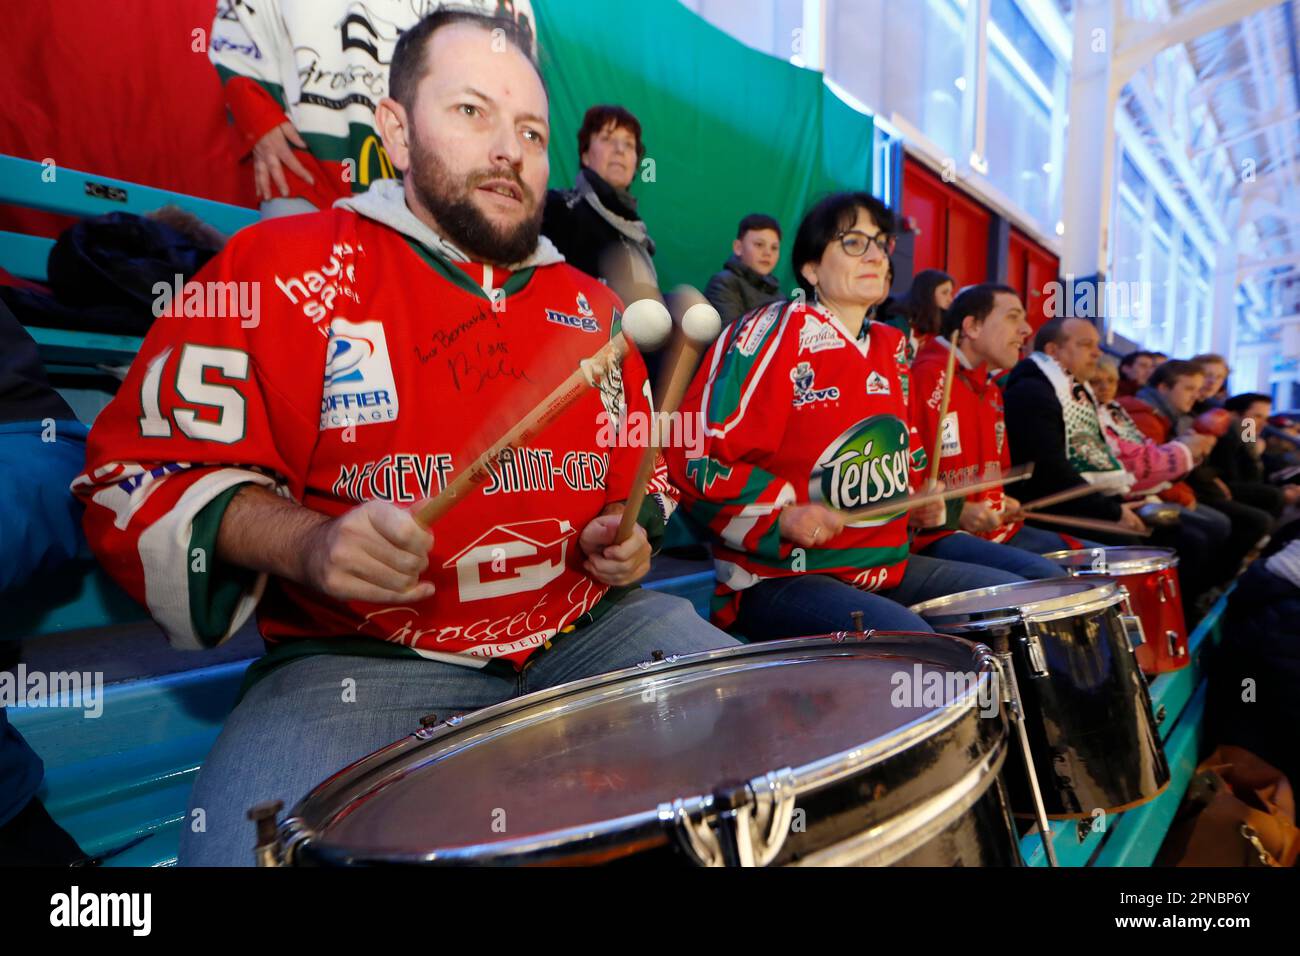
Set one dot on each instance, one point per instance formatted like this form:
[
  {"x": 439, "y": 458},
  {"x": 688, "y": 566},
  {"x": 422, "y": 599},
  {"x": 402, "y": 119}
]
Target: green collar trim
[{"x": 458, "y": 277}]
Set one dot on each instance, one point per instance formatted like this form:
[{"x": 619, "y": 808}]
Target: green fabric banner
[{"x": 728, "y": 130}]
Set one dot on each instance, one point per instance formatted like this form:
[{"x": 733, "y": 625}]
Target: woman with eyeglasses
[{"x": 805, "y": 410}]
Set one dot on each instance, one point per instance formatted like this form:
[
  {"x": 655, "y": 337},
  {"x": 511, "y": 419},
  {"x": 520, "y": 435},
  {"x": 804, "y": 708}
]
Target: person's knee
[{"x": 679, "y": 617}]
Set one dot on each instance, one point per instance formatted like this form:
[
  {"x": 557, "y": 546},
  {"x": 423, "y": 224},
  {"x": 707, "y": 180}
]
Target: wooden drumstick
[
  {"x": 700, "y": 325},
  {"x": 1069, "y": 494},
  {"x": 916, "y": 501},
  {"x": 645, "y": 322},
  {"x": 943, "y": 407},
  {"x": 1089, "y": 524}
]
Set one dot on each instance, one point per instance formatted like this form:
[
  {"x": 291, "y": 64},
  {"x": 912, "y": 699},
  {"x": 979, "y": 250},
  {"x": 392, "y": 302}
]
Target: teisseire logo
[{"x": 867, "y": 465}]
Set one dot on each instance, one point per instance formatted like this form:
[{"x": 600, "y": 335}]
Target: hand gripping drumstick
[
  {"x": 700, "y": 325},
  {"x": 943, "y": 407},
  {"x": 645, "y": 322}
]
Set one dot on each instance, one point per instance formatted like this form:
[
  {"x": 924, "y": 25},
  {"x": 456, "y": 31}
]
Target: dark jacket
[
  {"x": 1260, "y": 645},
  {"x": 25, "y": 393},
  {"x": 738, "y": 289},
  {"x": 1036, "y": 433},
  {"x": 586, "y": 239}
]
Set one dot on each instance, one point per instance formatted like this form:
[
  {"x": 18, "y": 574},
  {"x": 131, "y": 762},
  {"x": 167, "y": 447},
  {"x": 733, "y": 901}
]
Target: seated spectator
[
  {"x": 1162, "y": 409},
  {"x": 919, "y": 314},
  {"x": 1214, "y": 391},
  {"x": 822, "y": 427},
  {"x": 1154, "y": 466},
  {"x": 746, "y": 281},
  {"x": 1053, "y": 421},
  {"x": 1134, "y": 370},
  {"x": 1239, "y": 456},
  {"x": 1282, "y": 450},
  {"x": 42, "y": 448},
  {"x": 596, "y": 225},
  {"x": 981, "y": 529},
  {"x": 346, "y": 582}
]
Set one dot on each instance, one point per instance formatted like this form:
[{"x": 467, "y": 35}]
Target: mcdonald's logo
[{"x": 386, "y": 168}]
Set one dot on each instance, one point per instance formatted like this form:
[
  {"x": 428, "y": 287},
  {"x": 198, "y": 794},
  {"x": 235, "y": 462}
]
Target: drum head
[
  {"x": 1115, "y": 562},
  {"x": 1022, "y": 600},
  {"x": 570, "y": 764}
]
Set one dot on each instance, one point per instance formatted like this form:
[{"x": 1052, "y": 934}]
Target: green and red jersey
[
  {"x": 798, "y": 410},
  {"x": 372, "y": 367},
  {"x": 974, "y": 444}
]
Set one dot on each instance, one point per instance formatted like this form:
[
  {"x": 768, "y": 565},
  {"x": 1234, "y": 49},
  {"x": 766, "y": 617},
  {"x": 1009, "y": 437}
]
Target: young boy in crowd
[{"x": 746, "y": 281}]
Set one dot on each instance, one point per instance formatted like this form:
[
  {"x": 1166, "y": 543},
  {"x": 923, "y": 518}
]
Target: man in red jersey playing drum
[{"x": 276, "y": 460}]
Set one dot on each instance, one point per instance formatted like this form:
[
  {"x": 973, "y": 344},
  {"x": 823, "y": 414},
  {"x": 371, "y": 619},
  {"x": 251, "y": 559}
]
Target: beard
[{"x": 463, "y": 224}]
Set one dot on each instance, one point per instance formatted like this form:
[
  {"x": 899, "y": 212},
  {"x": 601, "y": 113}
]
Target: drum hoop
[
  {"x": 303, "y": 829},
  {"x": 1156, "y": 559},
  {"x": 1049, "y": 609}
]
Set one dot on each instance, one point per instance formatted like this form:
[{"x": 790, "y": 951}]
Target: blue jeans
[
  {"x": 807, "y": 604},
  {"x": 1042, "y": 541},
  {"x": 293, "y": 729},
  {"x": 1016, "y": 558}
]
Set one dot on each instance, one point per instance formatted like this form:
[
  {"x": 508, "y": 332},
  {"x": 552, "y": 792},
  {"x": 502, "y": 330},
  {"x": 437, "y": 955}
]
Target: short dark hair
[
  {"x": 1050, "y": 333},
  {"x": 974, "y": 300},
  {"x": 755, "y": 222},
  {"x": 1173, "y": 370},
  {"x": 603, "y": 115},
  {"x": 1239, "y": 403},
  {"x": 1127, "y": 361},
  {"x": 830, "y": 216},
  {"x": 408, "y": 65}
]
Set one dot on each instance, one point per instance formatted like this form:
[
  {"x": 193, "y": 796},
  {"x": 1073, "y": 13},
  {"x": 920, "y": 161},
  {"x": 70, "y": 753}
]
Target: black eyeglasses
[{"x": 855, "y": 242}]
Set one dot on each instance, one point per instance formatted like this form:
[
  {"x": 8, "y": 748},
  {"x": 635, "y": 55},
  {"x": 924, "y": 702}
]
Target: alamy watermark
[
  {"x": 209, "y": 300},
  {"x": 1103, "y": 299},
  {"x": 922, "y": 687},
  {"x": 82, "y": 690},
  {"x": 641, "y": 429}
]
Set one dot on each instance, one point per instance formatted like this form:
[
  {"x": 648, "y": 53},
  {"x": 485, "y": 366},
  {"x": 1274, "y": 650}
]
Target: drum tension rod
[{"x": 857, "y": 621}]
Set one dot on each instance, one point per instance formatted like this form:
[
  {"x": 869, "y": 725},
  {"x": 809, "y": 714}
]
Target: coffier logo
[
  {"x": 359, "y": 386},
  {"x": 74, "y": 909}
]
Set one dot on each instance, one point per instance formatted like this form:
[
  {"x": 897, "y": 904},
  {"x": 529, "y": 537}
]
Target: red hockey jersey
[
  {"x": 374, "y": 367},
  {"x": 974, "y": 431},
  {"x": 797, "y": 410}
]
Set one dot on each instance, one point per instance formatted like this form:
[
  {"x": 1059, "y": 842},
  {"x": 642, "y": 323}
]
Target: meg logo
[{"x": 74, "y": 909}]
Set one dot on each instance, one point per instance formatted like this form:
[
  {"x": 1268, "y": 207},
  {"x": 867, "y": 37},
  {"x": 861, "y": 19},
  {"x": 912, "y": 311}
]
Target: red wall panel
[
  {"x": 925, "y": 201},
  {"x": 968, "y": 240}
]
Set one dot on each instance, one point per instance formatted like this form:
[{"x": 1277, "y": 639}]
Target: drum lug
[
  {"x": 1037, "y": 659},
  {"x": 268, "y": 851},
  {"x": 1132, "y": 623},
  {"x": 1175, "y": 650},
  {"x": 742, "y": 824}
]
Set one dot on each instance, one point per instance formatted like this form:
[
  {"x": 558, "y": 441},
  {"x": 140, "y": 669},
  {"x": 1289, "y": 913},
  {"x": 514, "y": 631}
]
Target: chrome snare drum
[
  {"x": 1086, "y": 707},
  {"x": 1150, "y": 575},
  {"x": 812, "y": 751}
]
